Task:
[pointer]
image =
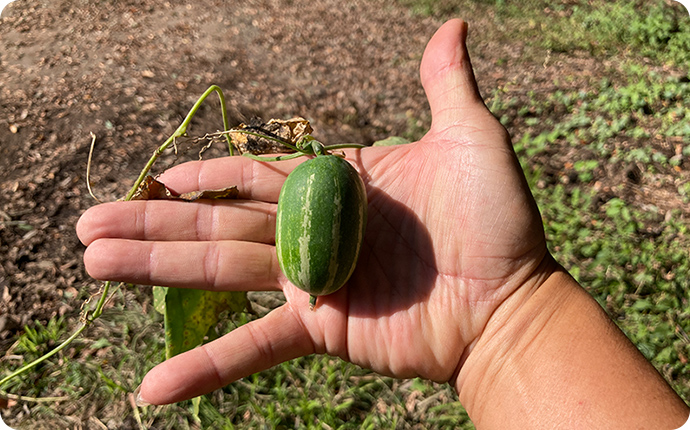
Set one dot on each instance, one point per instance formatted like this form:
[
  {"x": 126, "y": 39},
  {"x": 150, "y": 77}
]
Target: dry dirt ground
[{"x": 128, "y": 71}]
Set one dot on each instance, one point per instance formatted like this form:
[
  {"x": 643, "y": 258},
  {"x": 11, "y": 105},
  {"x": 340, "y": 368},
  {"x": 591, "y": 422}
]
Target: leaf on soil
[{"x": 152, "y": 189}]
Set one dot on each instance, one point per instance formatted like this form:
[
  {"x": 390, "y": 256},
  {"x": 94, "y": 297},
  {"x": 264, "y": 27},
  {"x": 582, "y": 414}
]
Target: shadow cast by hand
[{"x": 397, "y": 265}]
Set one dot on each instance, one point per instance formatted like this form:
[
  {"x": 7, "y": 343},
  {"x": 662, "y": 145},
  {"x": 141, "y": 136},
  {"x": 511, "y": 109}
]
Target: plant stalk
[
  {"x": 43, "y": 358},
  {"x": 181, "y": 131}
]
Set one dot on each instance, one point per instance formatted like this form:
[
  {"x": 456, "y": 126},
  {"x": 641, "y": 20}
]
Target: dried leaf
[
  {"x": 152, "y": 189},
  {"x": 225, "y": 193},
  {"x": 290, "y": 131}
]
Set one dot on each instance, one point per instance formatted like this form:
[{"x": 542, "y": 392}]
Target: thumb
[{"x": 448, "y": 79}]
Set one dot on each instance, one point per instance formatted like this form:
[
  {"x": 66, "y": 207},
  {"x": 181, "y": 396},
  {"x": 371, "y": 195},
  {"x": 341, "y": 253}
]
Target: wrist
[
  {"x": 508, "y": 335},
  {"x": 550, "y": 357}
]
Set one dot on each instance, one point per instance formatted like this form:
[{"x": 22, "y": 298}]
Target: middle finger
[{"x": 226, "y": 265}]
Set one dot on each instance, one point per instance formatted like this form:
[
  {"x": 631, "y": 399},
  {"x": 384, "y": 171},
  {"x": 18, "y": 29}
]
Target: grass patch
[
  {"x": 313, "y": 392},
  {"x": 656, "y": 29},
  {"x": 614, "y": 120}
]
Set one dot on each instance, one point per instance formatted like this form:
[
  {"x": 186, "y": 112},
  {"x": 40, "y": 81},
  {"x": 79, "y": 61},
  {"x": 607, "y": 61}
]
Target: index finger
[{"x": 255, "y": 180}]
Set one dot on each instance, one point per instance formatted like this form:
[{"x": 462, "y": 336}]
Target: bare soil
[{"x": 129, "y": 70}]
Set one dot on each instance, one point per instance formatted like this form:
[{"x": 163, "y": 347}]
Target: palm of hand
[{"x": 450, "y": 224}]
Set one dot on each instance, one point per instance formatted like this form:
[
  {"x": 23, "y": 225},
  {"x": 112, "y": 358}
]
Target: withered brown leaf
[
  {"x": 290, "y": 131},
  {"x": 152, "y": 189}
]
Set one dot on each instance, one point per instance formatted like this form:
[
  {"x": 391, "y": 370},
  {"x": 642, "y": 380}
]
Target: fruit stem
[{"x": 312, "y": 302}]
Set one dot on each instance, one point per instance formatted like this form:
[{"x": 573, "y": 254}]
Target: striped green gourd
[{"x": 322, "y": 212}]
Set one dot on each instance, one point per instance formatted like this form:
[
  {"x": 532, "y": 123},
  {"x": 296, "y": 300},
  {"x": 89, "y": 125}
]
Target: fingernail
[{"x": 138, "y": 400}]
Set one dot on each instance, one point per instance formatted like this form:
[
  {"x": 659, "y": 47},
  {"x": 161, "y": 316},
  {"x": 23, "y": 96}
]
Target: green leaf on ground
[{"x": 190, "y": 313}]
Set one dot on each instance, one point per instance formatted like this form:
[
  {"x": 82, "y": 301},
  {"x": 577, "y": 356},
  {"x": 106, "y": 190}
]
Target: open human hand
[{"x": 452, "y": 232}]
